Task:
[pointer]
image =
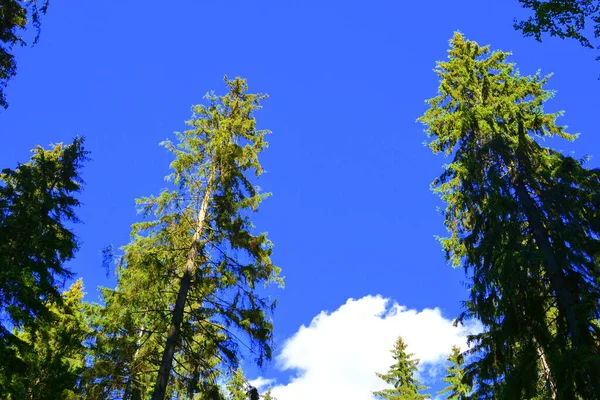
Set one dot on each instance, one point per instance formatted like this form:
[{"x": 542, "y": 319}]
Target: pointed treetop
[
  {"x": 458, "y": 388},
  {"x": 401, "y": 376}
]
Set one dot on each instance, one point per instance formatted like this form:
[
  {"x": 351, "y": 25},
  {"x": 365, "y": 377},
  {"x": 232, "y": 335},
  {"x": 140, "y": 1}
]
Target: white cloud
[
  {"x": 337, "y": 355},
  {"x": 261, "y": 382}
]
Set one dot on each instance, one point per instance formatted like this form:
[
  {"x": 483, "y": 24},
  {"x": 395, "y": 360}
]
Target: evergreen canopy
[{"x": 524, "y": 222}]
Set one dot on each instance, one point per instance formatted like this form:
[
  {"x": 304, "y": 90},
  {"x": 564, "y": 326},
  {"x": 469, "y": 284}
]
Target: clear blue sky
[{"x": 351, "y": 212}]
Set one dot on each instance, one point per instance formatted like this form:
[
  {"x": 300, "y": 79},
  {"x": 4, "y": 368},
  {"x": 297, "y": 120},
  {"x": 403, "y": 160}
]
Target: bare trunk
[
  {"x": 160, "y": 389},
  {"x": 547, "y": 374}
]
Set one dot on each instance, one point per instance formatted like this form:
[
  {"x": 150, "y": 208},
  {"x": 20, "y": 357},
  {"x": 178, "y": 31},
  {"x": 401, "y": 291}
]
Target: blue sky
[{"x": 351, "y": 214}]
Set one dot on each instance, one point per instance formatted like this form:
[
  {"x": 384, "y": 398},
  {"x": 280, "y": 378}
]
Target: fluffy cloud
[
  {"x": 335, "y": 357},
  {"x": 261, "y": 382}
]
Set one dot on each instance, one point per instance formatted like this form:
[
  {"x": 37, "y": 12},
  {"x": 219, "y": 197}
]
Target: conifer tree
[
  {"x": 458, "y": 388},
  {"x": 523, "y": 222},
  {"x": 55, "y": 361},
  {"x": 37, "y": 200},
  {"x": 401, "y": 376},
  {"x": 186, "y": 293}
]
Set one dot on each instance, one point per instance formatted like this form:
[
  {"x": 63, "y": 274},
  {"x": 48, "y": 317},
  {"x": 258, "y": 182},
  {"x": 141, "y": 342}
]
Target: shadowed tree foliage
[
  {"x": 15, "y": 16},
  {"x": 524, "y": 222},
  {"x": 573, "y": 19},
  {"x": 401, "y": 376},
  {"x": 187, "y": 288},
  {"x": 37, "y": 200},
  {"x": 458, "y": 387}
]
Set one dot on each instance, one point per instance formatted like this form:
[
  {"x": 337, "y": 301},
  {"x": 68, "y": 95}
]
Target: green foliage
[
  {"x": 55, "y": 354},
  {"x": 15, "y": 15},
  {"x": 563, "y": 19},
  {"x": 188, "y": 278},
  {"x": 116, "y": 369},
  {"x": 237, "y": 386},
  {"x": 523, "y": 222},
  {"x": 36, "y": 201},
  {"x": 268, "y": 396},
  {"x": 458, "y": 387},
  {"x": 401, "y": 376}
]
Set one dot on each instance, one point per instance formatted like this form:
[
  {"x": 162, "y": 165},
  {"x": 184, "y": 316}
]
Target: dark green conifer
[
  {"x": 37, "y": 203},
  {"x": 524, "y": 222}
]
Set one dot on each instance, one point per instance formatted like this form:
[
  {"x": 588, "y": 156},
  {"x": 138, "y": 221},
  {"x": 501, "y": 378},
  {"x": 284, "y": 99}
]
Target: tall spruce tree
[
  {"x": 524, "y": 222},
  {"x": 401, "y": 376},
  {"x": 186, "y": 292},
  {"x": 37, "y": 201},
  {"x": 458, "y": 387}
]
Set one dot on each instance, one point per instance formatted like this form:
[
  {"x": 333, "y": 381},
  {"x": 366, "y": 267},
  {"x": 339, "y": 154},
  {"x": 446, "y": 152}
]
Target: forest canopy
[{"x": 189, "y": 304}]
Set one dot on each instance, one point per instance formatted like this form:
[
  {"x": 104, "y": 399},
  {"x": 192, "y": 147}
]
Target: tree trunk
[
  {"x": 160, "y": 389},
  {"x": 547, "y": 372}
]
